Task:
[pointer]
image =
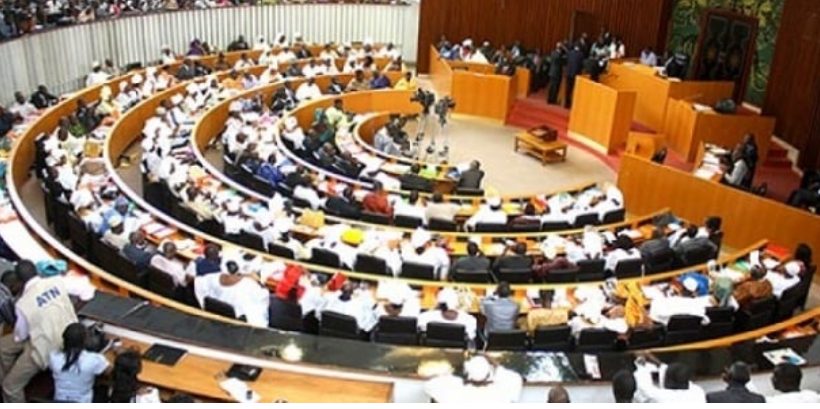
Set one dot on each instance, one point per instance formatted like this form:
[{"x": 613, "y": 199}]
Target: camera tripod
[{"x": 440, "y": 134}]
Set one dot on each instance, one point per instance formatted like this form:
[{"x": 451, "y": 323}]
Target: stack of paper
[{"x": 239, "y": 391}]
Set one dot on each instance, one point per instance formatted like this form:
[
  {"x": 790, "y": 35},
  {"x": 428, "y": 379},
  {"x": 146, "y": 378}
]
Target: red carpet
[{"x": 775, "y": 170}]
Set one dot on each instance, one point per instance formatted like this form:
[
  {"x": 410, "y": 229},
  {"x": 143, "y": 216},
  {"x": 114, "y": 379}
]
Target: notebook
[
  {"x": 163, "y": 354},
  {"x": 244, "y": 372}
]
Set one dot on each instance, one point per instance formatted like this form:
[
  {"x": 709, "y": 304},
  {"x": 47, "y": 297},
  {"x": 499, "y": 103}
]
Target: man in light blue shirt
[{"x": 500, "y": 310}]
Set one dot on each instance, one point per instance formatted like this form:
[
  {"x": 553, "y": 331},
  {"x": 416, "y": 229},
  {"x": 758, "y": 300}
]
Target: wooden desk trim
[
  {"x": 200, "y": 379},
  {"x": 694, "y": 198}
]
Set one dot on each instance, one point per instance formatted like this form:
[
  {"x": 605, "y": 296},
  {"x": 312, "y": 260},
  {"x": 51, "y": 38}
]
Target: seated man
[
  {"x": 115, "y": 235},
  {"x": 358, "y": 83},
  {"x": 484, "y": 381},
  {"x": 786, "y": 379},
  {"x": 166, "y": 261},
  {"x": 676, "y": 384},
  {"x": 624, "y": 250},
  {"x": 425, "y": 249},
  {"x": 440, "y": 210},
  {"x": 491, "y": 213},
  {"x": 473, "y": 261},
  {"x": 518, "y": 260},
  {"x": 357, "y": 304},
  {"x": 655, "y": 245},
  {"x": 344, "y": 205},
  {"x": 308, "y": 90},
  {"x": 471, "y": 178},
  {"x": 737, "y": 376},
  {"x": 138, "y": 251},
  {"x": 413, "y": 181},
  {"x": 754, "y": 289},
  {"x": 210, "y": 262},
  {"x": 691, "y": 244},
  {"x": 447, "y": 312},
  {"x": 410, "y": 208},
  {"x": 784, "y": 277},
  {"x": 243, "y": 292},
  {"x": 379, "y": 81}
]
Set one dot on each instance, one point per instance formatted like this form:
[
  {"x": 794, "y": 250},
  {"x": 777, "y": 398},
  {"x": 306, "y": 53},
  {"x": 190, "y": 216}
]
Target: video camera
[
  {"x": 426, "y": 98},
  {"x": 443, "y": 107}
]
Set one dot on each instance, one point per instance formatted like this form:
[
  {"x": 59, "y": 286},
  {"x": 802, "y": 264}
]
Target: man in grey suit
[
  {"x": 736, "y": 378},
  {"x": 473, "y": 261}
]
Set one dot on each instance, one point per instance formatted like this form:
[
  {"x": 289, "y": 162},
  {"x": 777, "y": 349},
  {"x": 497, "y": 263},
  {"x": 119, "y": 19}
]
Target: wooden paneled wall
[
  {"x": 793, "y": 94},
  {"x": 540, "y": 23}
]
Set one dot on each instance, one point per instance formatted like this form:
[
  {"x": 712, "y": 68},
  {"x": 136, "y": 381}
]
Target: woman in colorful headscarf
[{"x": 321, "y": 127}]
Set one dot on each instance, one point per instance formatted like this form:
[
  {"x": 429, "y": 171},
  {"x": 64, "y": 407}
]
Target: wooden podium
[
  {"x": 686, "y": 127},
  {"x": 654, "y": 91},
  {"x": 645, "y": 145},
  {"x": 474, "y": 87},
  {"x": 601, "y": 116}
]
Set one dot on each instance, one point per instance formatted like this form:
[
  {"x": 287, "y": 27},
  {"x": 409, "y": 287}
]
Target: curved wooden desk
[
  {"x": 21, "y": 160},
  {"x": 210, "y": 124},
  {"x": 476, "y": 89},
  {"x": 199, "y": 375}
]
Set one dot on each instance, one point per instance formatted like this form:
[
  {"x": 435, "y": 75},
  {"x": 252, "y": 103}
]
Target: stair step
[
  {"x": 777, "y": 152},
  {"x": 778, "y": 162}
]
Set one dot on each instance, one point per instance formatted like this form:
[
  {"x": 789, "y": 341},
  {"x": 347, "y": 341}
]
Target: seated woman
[
  {"x": 546, "y": 314},
  {"x": 125, "y": 386},
  {"x": 321, "y": 127},
  {"x": 74, "y": 368},
  {"x": 754, "y": 289}
]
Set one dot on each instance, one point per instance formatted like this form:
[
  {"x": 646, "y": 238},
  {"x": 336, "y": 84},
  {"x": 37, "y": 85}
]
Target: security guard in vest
[{"x": 43, "y": 311}]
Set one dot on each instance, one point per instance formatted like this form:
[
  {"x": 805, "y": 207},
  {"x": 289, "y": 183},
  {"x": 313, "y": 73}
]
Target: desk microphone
[{"x": 134, "y": 309}]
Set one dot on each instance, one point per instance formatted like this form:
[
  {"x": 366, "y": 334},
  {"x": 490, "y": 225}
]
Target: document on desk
[
  {"x": 239, "y": 391},
  {"x": 784, "y": 356},
  {"x": 592, "y": 367}
]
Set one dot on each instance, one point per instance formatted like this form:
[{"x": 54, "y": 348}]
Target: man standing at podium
[
  {"x": 575, "y": 64},
  {"x": 555, "y": 73}
]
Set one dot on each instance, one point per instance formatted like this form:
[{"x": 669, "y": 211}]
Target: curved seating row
[
  {"x": 210, "y": 123},
  {"x": 19, "y": 173},
  {"x": 596, "y": 272},
  {"x": 121, "y": 123},
  {"x": 687, "y": 338}
]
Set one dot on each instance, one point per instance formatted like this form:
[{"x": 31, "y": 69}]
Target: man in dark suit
[
  {"x": 658, "y": 244},
  {"x": 284, "y": 98},
  {"x": 186, "y": 70},
  {"x": 473, "y": 261},
  {"x": 736, "y": 378},
  {"x": 344, "y": 206},
  {"x": 518, "y": 260},
  {"x": 575, "y": 65},
  {"x": 690, "y": 251},
  {"x": 471, "y": 178},
  {"x": 413, "y": 181},
  {"x": 556, "y": 71}
]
